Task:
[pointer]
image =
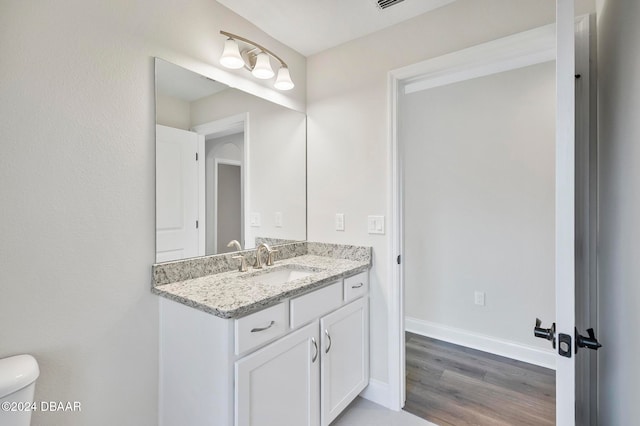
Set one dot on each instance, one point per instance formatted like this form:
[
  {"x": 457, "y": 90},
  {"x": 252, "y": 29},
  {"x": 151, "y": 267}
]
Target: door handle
[
  {"x": 256, "y": 330},
  {"x": 545, "y": 333},
  {"x": 315, "y": 346},
  {"x": 589, "y": 341},
  {"x": 326, "y": 332}
]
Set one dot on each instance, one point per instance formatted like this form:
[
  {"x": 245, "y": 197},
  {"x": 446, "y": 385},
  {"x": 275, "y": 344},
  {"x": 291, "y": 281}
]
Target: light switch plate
[
  {"x": 278, "y": 219},
  {"x": 375, "y": 224},
  {"x": 339, "y": 221},
  {"x": 255, "y": 219}
]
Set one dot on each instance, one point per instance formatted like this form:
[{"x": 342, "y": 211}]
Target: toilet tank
[{"x": 18, "y": 376}]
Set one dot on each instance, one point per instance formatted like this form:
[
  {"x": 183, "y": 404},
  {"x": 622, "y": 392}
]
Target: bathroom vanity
[{"x": 284, "y": 345}]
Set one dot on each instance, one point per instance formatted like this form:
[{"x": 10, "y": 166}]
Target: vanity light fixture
[{"x": 256, "y": 59}]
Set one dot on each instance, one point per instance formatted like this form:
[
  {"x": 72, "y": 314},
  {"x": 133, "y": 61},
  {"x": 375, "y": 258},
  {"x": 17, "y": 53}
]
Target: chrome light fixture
[{"x": 256, "y": 59}]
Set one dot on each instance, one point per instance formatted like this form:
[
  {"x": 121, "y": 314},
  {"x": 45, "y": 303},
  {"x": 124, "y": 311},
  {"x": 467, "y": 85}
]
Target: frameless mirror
[{"x": 229, "y": 166}]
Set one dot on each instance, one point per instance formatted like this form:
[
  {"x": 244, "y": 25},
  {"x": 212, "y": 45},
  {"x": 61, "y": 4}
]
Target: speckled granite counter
[{"x": 233, "y": 294}]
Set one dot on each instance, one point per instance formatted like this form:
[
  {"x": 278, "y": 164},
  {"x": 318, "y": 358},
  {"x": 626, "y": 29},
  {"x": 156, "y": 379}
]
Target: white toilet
[{"x": 18, "y": 376}]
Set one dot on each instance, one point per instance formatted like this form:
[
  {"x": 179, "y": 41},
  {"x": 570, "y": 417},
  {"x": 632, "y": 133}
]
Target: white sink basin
[{"x": 281, "y": 276}]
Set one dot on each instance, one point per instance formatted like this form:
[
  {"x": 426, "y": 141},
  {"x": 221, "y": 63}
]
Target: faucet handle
[
  {"x": 243, "y": 263},
  {"x": 271, "y": 259}
]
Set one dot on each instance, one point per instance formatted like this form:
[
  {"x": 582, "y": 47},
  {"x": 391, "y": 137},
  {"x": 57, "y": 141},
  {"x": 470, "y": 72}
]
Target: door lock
[{"x": 545, "y": 333}]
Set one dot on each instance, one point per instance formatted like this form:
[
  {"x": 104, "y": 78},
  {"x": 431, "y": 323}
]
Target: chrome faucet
[{"x": 258, "y": 263}]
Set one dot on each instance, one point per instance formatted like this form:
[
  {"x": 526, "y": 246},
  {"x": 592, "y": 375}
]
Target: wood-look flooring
[{"x": 449, "y": 384}]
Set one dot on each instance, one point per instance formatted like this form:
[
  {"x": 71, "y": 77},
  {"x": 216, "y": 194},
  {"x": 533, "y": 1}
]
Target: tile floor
[{"x": 365, "y": 413}]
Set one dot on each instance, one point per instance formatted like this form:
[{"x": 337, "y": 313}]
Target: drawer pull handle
[
  {"x": 255, "y": 330},
  {"x": 328, "y": 337},
  {"x": 357, "y": 286},
  {"x": 315, "y": 346}
]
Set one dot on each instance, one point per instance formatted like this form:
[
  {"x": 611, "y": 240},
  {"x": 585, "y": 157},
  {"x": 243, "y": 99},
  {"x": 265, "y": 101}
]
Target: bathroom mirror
[{"x": 229, "y": 166}]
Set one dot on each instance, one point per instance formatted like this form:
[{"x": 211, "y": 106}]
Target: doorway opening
[
  {"x": 228, "y": 202},
  {"x": 445, "y": 73},
  {"x": 478, "y": 184}
]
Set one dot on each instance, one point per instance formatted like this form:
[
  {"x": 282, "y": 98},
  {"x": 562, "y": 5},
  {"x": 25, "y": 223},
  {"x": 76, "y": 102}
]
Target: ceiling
[{"x": 311, "y": 26}]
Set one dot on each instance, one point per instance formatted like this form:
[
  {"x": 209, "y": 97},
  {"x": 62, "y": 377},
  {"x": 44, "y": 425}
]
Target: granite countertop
[{"x": 234, "y": 294}]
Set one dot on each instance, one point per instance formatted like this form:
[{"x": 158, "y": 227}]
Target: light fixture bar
[
  {"x": 256, "y": 59},
  {"x": 264, "y": 49}
]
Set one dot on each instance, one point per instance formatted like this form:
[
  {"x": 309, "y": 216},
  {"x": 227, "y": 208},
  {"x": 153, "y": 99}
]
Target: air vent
[{"x": 383, "y": 4}]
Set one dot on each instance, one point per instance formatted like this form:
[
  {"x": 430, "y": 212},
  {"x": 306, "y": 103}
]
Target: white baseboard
[
  {"x": 506, "y": 348},
  {"x": 377, "y": 392}
]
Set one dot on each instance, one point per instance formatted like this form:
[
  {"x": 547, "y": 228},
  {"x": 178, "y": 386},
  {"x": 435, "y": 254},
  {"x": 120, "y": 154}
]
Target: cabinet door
[
  {"x": 279, "y": 384},
  {"x": 345, "y": 357}
]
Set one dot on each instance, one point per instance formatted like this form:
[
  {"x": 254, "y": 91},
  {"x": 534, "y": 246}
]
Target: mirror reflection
[{"x": 230, "y": 166}]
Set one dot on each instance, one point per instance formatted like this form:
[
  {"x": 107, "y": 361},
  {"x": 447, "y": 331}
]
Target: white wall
[
  {"x": 77, "y": 190},
  {"x": 479, "y": 160},
  {"x": 619, "y": 209},
  {"x": 348, "y": 157}
]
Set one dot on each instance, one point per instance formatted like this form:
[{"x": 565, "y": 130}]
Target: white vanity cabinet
[
  {"x": 345, "y": 358},
  {"x": 280, "y": 384},
  {"x": 297, "y": 363}
]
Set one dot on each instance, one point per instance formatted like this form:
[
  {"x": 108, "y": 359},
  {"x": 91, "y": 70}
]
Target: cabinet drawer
[
  {"x": 356, "y": 286},
  {"x": 255, "y": 329},
  {"x": 312, "y": 305}
]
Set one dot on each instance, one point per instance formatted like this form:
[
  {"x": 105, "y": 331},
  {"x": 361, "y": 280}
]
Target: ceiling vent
[{"x": 384, "y": 4}]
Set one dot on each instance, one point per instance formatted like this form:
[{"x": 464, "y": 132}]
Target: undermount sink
[{"x": 281, "y": 276}]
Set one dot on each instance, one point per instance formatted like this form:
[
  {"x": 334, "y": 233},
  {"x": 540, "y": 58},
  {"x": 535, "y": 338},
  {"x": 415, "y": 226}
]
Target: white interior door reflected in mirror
[{"x": 177, "y": 234}]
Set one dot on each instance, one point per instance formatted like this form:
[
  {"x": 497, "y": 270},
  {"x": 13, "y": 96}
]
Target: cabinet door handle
[
  {"x": 315, "y": 346},
  {"x": 357, "y": 286},
  {"x": 328, "y": 337},
  {"x": 255, "y": 330}
]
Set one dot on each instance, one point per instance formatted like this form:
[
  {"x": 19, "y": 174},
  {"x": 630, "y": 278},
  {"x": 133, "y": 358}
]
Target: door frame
[
  {"x": 586, "y": 218},
  {"x": 512, "y": 52},
  {"x": 219, "y": 127}
]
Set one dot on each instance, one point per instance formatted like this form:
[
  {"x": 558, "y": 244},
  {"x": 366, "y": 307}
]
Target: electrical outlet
[
  {"x": 339, "y": 221},
  {"x": 479, "y": 298},
  {"x": 278, "y": 219}
]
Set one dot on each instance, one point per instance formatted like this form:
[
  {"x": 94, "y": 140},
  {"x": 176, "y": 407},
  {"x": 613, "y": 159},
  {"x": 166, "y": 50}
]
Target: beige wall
[
  {"x": 77, "y": 189},
  {"x": 347, "y": 124},
  {"x": 619, "y": 210}
]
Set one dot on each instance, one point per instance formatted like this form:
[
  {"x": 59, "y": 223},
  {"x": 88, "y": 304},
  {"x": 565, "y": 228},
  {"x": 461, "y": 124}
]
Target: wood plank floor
[{"x": 449, "y": 384}]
